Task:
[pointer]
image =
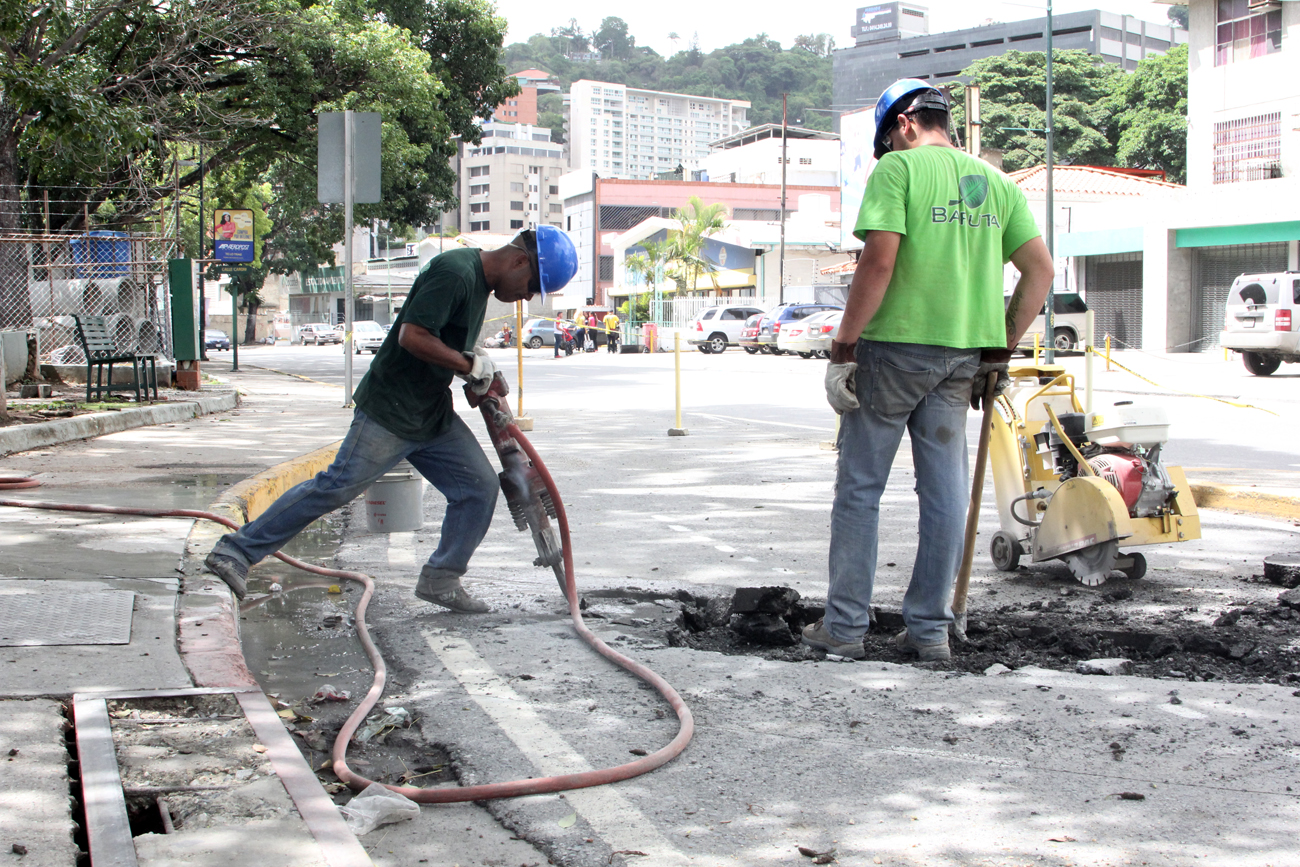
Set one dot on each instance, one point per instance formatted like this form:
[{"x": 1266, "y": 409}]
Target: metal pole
[
  {"x": 203, "y": 283},
  {"x": 1087, "y": 368},
  {"x": 780, "y": 292},
  {"x": 347, "y": 258},
  {"x": 519, "y": 356},
  {"x": 1049, "y": 325},
  {"x": 234, "y": 325},
  {"x": 677, "y": 375}
]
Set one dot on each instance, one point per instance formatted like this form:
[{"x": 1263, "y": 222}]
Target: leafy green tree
[
  {"x": 1150, "y": 112},
  {"x": 613, "y": 38},
  {"x": 1177, "y": 14},
  {"x": 1013, "y": 103}
]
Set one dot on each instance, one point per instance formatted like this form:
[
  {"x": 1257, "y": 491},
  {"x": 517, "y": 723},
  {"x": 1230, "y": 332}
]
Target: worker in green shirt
[
  {"x": 923, "y": 330},
  {"x": 404, "y": 412}
]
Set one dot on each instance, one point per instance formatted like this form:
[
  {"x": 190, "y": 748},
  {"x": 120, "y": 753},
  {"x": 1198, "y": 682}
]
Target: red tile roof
[{"x": 1088, "y": 180}]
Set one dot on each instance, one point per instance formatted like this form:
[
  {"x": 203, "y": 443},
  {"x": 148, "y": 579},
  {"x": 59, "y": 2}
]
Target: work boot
[
  {"x": 230, "y": 570},
  {"x": 449, "y": 594},
  {"x": 936, "y": 652},
  {"x": 817, "y": 636}
]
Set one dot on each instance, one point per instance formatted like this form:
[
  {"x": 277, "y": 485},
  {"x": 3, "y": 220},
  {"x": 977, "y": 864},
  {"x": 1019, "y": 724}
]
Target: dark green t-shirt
[{"x": 409, "y": 397}]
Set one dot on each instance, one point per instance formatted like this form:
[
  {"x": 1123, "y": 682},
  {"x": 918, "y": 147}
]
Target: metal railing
[{"x": 47, "y": 279}]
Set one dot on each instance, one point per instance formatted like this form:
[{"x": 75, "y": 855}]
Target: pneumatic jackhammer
[{"x": 531, "y": 504}]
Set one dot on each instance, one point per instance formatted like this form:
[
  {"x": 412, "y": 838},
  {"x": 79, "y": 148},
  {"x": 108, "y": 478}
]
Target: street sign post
[{"x": 347, "y": 171}]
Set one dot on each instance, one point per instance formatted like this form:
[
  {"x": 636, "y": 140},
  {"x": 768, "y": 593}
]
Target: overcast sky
[{"x": 720, "y": 24}]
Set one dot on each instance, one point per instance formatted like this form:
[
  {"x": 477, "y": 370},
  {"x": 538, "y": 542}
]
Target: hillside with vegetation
[{"x": 757, "y": 69}]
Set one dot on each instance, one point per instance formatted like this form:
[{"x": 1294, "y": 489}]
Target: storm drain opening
[{"x": 1248, "y": 643}]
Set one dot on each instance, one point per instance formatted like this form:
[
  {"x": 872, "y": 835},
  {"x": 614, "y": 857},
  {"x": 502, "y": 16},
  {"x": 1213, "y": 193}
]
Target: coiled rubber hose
[{"x": 488, "y": 791}]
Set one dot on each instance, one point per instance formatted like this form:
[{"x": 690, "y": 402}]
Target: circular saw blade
[{"x": 1092, "y": 565}]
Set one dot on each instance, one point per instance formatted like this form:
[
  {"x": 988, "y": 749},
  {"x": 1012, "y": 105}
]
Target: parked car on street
[
  {"x": 1069, "y": 323},
  {"x": 541, "y": 332},
  {"x": 776, "y": 319},
  {"x": 317, "y": 333},
  {"x": 824, "y": 332},
  {"x": 214, "y": 339},
  {"x": 368, "y": 335},
  {"x": 716, "y": 328},
  {"x": 1261, "y": 320},
  {"x": 749, "y": 334}
]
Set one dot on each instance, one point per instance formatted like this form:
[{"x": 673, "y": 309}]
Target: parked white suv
[
  {"x": 716, "y": 328},
  {"x": 1262, "y": 320},
  {"x": 368, "y": 336}
]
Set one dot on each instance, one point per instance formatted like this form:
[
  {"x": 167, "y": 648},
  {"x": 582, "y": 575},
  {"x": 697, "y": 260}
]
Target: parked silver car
[
  {"x": 1261, "y": 320},
  {"x": 317, "y": 333}
]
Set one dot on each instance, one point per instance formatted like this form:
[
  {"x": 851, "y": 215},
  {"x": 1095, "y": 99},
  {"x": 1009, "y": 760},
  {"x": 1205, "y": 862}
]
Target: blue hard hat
[
  {"x": 557, "y": 259},
  {"x": 891, "y": 103}
]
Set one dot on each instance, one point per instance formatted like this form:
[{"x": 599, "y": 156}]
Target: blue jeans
[
  {"x": 925, "y": 390},
  {"x": 453, "y": 463}
]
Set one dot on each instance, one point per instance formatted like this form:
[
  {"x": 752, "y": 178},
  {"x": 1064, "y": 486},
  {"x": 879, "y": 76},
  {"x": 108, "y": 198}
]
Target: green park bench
[{"x": 101, "y": 351}]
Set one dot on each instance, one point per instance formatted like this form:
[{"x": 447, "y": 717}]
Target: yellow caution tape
[{"x": 1110, "y": 360}]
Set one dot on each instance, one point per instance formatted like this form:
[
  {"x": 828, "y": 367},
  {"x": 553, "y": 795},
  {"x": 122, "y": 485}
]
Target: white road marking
[
  {"x": 817, "y": 427},
  {"x": 401, "y": 549},
  {"x": 612, "y": 816}
]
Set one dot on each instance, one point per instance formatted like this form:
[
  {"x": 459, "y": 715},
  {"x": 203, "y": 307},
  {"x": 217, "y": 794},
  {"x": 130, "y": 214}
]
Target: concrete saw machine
[{"x": 1075, "y": 487}]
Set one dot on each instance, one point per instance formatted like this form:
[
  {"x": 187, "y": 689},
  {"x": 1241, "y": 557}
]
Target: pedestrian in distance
[
  {"x": 923, "y": 330},
  {"x": 593, "y": 328},
  {"x": 611, "y": 332},
  {"x": 404, "y": 412}
]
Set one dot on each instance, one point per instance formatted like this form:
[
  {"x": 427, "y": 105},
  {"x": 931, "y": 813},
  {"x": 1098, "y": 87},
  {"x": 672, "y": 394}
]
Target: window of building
[
  {"x": 807, "y": 161},
  {"x": 479, "y": 171},
  {"x": 479, "y": 189},
  {"x": 479, "y": 207},
  {"x": 480, "y": 226},
  {"x": 553, "y": 190},
  {"x": 516, "y": 224},
  {"x": 1248, "y": 149},
  {"x": 534, "y": 170},
  {"x": 1242, "y": 34},
  {"x": 556, "y": 208},
  {"x": 516, "y": 206},
  {"x": 606, "y": 268},
  {"x": 516, "y": 187}
]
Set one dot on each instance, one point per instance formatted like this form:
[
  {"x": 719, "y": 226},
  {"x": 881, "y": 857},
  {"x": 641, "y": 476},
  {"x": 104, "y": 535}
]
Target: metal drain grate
[{"x": 59, "y": 617}]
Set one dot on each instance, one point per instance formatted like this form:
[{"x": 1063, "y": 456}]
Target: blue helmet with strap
[
  {"x": 557, "y": 258},
  {"x": 899, "y": 97}
]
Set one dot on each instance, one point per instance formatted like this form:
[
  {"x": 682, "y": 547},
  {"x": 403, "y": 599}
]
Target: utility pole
[
  {"x": 780, "y": 296},
  {"x": 1049, "y": 325},
  {"x": 348, "y": 196}
]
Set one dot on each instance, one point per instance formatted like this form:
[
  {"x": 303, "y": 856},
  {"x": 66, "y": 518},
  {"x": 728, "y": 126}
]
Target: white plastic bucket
[{"x": 395, "y": 502}]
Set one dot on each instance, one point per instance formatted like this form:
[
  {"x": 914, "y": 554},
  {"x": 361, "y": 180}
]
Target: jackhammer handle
[{"x": 960, "y": 589}]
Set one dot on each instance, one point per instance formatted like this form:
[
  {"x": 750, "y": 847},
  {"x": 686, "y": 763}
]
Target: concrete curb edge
[
  {"x": 1242, "y": 499},
  {"x": 207, "y": 617},
  {"x": 21, "y": 438}
]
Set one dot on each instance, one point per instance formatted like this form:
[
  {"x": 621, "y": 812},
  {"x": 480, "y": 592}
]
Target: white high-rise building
[{"x": 618, "y": 131}]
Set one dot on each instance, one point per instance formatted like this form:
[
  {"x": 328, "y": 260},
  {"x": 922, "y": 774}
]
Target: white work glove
[
  {"x": 480, "y": 375},
  {"x": 840, "y": 388}
]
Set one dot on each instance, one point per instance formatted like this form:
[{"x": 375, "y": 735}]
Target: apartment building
[
  {"x": 510, "y": 181},
  {"x": 618, "y": 131},
  {"x": 811, "y": 157}
]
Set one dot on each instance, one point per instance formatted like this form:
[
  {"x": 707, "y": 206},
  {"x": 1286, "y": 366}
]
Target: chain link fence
[{"x": 47, "y": 279}]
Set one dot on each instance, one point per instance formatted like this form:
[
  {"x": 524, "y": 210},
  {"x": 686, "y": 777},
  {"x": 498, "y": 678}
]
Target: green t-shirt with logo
[
  {"x": 961, "y": 219},
  {"x": 409, "y": 397}
]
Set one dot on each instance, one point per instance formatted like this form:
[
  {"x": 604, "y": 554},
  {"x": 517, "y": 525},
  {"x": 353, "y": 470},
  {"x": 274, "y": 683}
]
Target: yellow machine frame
[{"x": 1096, "y": 512}]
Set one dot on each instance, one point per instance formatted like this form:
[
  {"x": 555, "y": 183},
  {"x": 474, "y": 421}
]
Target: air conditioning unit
[{"x": 1263, "y": 5}]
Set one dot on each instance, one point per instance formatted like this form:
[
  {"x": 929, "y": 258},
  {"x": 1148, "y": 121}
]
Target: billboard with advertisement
[
  {"x": 857, "y": 129},
  {"x": 232, "y": 235},
  {"x": 875, "y": 22}
]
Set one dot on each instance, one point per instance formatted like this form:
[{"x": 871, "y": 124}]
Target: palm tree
[
  {"x": 649, "y": 266},
  {"x": 697, "y": 222}
]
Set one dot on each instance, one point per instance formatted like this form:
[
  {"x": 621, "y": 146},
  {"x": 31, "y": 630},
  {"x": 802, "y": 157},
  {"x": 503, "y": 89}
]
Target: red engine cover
[{"x": 1122, "y": 471}]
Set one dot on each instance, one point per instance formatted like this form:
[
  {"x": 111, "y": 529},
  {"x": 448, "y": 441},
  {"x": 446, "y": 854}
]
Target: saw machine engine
[{"x": 1071, "y": 490}]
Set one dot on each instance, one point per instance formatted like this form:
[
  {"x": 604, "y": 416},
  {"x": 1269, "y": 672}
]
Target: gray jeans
[{"x": 924, "y": 390}]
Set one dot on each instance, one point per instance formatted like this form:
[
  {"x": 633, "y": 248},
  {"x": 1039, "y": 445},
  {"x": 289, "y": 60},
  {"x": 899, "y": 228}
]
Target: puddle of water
[{"x": 289, "y": 642}]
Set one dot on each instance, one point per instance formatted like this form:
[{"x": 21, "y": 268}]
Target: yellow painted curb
[
  {"x": 255, "y": 494},
  {"x": 1241, "y": 499}
]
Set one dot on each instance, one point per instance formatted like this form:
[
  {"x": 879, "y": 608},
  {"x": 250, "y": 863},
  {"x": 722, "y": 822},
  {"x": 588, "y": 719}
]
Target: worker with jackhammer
[
  {"x": 404, "y": 412},
  {"x": 923, "y": 330}
]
